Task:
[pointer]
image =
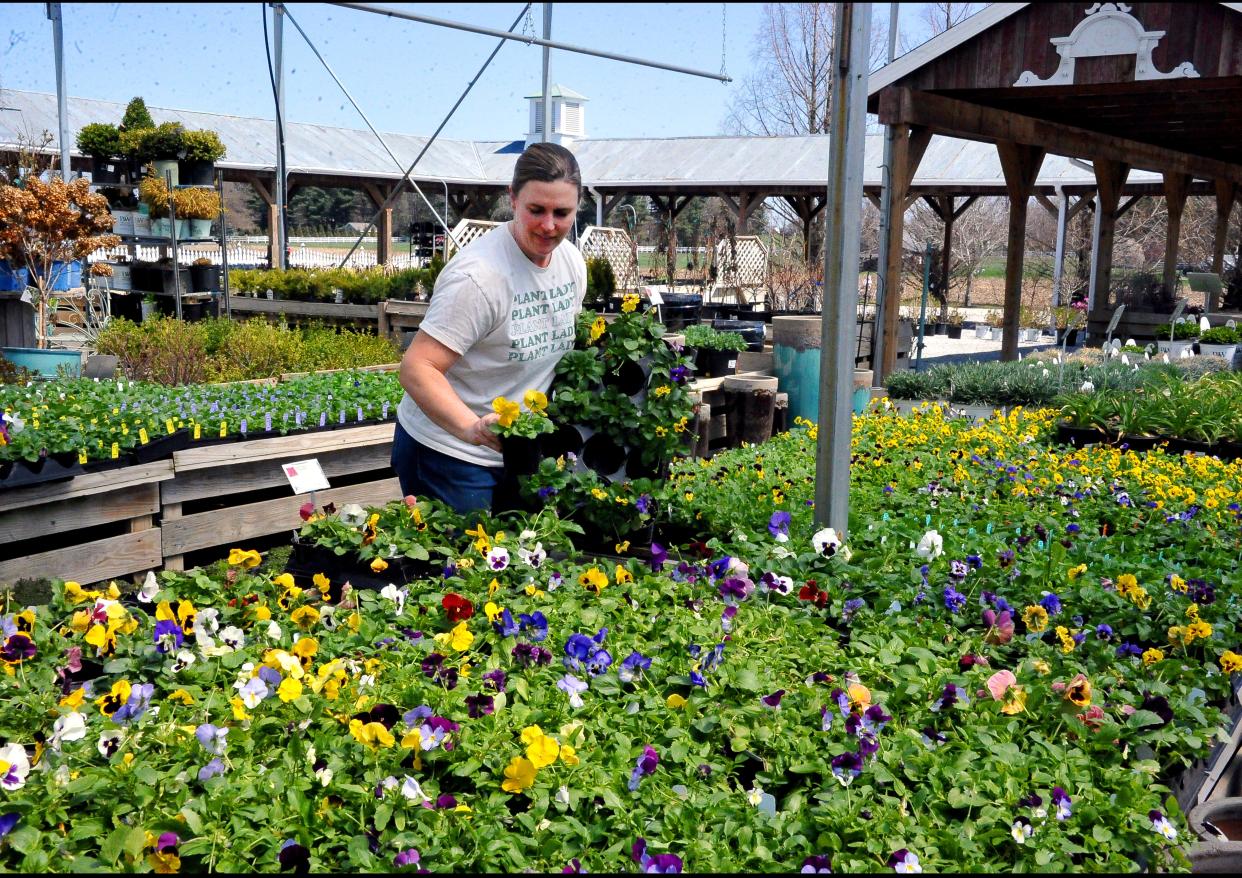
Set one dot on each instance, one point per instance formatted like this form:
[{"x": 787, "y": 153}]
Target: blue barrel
[
  {"x": 12, "y": 277},
  {"x": 796, "y": 362}
]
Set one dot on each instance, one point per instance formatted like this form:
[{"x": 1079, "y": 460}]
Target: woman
[{"x": 501, "y": 316}]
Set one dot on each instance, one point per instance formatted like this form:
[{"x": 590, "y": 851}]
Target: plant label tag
[
  {"x": 1112, "y": 324},
  {"x": 655, "y": 298},
  {"x": 305, "y": 476}
]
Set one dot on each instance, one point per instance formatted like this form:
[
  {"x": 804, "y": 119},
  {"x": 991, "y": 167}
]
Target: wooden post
[
  {"x": 383, "y": 227},
  {"x": 1175, "y": 187},
  {"x": 1110, "y": 176},
  {"x": 909, "y": 144},
  {"x": 1021, "y": 166},
  {"x": 742, "y": 208},
  {"x": 273, "y": 221},
  {"x": 946, "y": 206},
  {"x": 1226, "y": 192},
  {"x": 671, "y": 208}
]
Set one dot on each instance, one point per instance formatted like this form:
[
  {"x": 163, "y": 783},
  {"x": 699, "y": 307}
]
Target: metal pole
[
  {"x": 62, "y": 90},
  {"x": 547, "y": 97},
  {"x": 224, "y": 248},
  {"x": 176, "y": 256},
  {"x": 886, "y": 180},
  {"x": 1058, "y": 265},
  {"x": 927, "y": 257},
  {"x": 530, "y": 41},
  {"x": 278, "y": 16},
  {"x": 847, "y": 145},
  {"x": 1095, "y": 253}
]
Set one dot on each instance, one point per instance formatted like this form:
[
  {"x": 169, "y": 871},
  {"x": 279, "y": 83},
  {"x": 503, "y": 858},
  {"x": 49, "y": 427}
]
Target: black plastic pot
[
  {"x": 1079, "y": 436},
  {"x": 635, "y": 468},
  {"x": 603, "y": 454},
  {"x": 204, "y": 278},
  {"x": 940, "y": 328},
  {"x": 193, "y": 311},
  {"x": 108, "y": 170},
  {"x": 680, "y": 310},
  {"x": 45, "y": 469},
  {"x": 196, "y": 173},
  {"x": 752, "y": 331},
  {"x": 146, "y": 278},
  {"x": 954, "y": 330},
  {"x": 715, "y": 364},
  {"x": 521, "y": 455},
  {"x": 629, "y": 378},
  {"x": 566, "y": 440}
]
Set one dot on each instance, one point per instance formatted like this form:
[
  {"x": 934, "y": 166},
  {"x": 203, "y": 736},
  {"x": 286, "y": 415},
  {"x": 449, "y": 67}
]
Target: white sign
[
  {"x": 655, "y": 298},
  {"x": 305, "y": 476}
]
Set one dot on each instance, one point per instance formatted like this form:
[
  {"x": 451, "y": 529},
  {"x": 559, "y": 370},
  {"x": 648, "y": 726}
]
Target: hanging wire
[
  {"x": 396, "y": 190},
  {"x": 724, "y": 11}
]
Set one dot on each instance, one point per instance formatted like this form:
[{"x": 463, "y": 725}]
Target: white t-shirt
[{"x": 510, "y": 320}]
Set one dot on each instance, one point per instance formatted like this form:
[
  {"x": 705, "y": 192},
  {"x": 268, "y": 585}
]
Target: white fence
[{"x": 242, "y": 255}]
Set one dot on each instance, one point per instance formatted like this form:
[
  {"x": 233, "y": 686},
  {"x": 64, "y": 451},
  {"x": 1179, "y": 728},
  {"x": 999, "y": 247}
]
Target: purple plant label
[
  {"x": 341, "y": 419},
  {"x": 323, "y": 419},
  {"x": 385, "y": 411},
  {"x": 360, "y": 414},
  {"x": 267, "y": 422}
]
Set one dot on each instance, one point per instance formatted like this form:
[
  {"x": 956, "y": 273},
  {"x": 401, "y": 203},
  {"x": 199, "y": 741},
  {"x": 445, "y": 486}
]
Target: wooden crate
[
  {"x": 62, "y": 511},
  {"x": 233, "y": 472}
]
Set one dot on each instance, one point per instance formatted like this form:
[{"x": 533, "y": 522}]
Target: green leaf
[
  {"x": 135, "y": 841},
  {"x": 747, "y": 679},
  {"x": 1101, "y": 833},
  {"x": 192, "y": 820},
  {"x": 112, "y": 846}
]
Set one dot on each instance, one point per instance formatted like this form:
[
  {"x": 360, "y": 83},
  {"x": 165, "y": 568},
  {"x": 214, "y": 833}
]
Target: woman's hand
[{"x": 480, "y": 432}]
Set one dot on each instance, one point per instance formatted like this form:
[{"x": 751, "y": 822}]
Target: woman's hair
[{"x": 545, "y": 163}]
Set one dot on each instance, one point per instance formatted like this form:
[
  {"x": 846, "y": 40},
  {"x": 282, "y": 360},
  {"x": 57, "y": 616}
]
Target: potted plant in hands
[
  {"x": 519, "y": 431},
  {"x": 51, "y": 226},
  {"x": 202, "y": 150},
  {"x": 1219, "y": 341},
  {"x": 102, "y": 142}
]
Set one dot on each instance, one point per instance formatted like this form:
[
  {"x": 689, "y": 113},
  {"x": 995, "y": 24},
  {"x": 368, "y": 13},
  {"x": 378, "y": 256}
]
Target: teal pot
[
  {"x": 199, "y": 228},
  {"x": 161, "y": 228},
  {"x": 163, "y": 166},
  {"x": 44, "y": 362}
]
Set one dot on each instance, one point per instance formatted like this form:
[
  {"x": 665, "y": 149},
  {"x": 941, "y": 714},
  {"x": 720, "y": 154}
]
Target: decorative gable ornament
[{"x": 1108, "y": 29}]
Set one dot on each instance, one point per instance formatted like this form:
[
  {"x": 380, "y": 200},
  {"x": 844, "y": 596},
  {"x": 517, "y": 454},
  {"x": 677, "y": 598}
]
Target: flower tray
[
  {"x": 21, "y": 473},
  {"x": 1079, "y": 436},
  {"x": 308, "y": 559}
]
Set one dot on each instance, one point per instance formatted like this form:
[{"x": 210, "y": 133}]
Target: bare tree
[
  {"x": 979, "y": 233},
  {"x": 937, "y": 18}
]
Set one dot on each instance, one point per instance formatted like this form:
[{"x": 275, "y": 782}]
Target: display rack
[{"x": 170, "y": 247}]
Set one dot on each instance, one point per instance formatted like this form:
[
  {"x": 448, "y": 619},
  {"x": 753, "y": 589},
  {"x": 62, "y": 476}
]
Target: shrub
[
  {"x": 137, "y": 116},
  {"x": 203, "y": 146},
  {"x": 325, "y": 348},
  {"x": 163, "y": 142},
  {"x": 100, "y": 140},
  {"x": 908, "y": 384},
  {"x": 163, "y": 350},
  {"x": 257, "y": 349},
  {"x": 153, "y": 192},
  {"x": 601, "y": 283}
]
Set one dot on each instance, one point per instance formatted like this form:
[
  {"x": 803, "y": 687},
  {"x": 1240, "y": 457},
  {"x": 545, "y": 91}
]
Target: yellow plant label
[
  {"x": 224, "y": 429},
  {"x": 116, "y": 451},
  {"x": 198, "y": 431},
  {"x": 142, "y": 436},
  {"x": 82, "y": 457},
  {"x": 168, "y": 425}
]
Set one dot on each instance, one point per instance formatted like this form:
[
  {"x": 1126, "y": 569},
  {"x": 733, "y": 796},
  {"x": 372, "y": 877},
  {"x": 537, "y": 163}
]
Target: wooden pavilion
[{"x": 1156, "y": 86}]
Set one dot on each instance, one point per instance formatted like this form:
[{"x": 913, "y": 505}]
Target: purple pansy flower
[{"x": 646, "y": 764}]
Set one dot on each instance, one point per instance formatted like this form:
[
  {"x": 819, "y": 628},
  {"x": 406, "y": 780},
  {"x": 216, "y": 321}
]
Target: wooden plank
[
  {"x": 254, "y": 475},
  {"x": 304, "y": 309},
  {"x": 86, "y": 485},
  {"x": 959, "y": 118},
  {"x": 293, "y": 446},
  {"x": 26, "y": 523},
  {"x": 240, "y": 523},
  {"x": 90, "y": 562},
  {"x": 406, "y": 308}
]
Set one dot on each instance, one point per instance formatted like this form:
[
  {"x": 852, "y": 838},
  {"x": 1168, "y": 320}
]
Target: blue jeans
[{"x": 425, "y": 472}]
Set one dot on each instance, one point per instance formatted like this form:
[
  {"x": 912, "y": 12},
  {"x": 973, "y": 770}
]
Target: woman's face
[{"x": 543, "y": 214}]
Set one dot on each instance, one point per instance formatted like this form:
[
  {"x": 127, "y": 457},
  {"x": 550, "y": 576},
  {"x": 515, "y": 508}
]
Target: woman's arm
[{"x": 422, "y": 375}]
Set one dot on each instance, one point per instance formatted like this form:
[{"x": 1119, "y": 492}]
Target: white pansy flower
[
  {"x": 931, "y": 546},
  {"x": 150, "y": 588},
  {"x": 826, "y": 541},
  {"x": 14, "y": 766},
  {"x": 353, "y": 515},
  {"x": 396, "y": 595},
  {"x": 70, "y": 727}
]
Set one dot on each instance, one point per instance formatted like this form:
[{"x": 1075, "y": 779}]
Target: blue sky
[{"x": 405, "y": 75}]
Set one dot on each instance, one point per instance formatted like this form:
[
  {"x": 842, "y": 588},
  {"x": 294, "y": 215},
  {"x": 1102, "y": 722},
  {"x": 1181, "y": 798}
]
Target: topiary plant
[
  {"x": 164, "y": 142},
  {"x": 136, "y": 116}
]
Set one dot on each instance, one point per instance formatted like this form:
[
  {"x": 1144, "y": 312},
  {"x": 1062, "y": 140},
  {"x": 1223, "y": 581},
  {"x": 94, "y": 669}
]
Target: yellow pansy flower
[
  {"x": 536, "y": 401},
  {"x": 507, "y": 409},
  {"x": 519, "y": 775},
  {"x": 246, "y": 558},
  {"x": 543, "y": 751},
  {"x": 675, "y": 701}
]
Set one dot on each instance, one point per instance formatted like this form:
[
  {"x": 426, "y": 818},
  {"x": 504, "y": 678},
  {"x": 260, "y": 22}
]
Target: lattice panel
[
  {"x": 616, "y": 246},
  {"x": 468, "y": 230},
  {"x": 742, "y": 262}
]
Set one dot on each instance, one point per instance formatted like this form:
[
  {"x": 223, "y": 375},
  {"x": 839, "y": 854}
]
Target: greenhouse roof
[{"x": 688, "y": 165}]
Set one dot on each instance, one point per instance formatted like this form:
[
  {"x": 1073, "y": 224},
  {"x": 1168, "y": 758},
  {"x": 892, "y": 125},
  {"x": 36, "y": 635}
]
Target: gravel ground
[{"x": 940, "y": 349}]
